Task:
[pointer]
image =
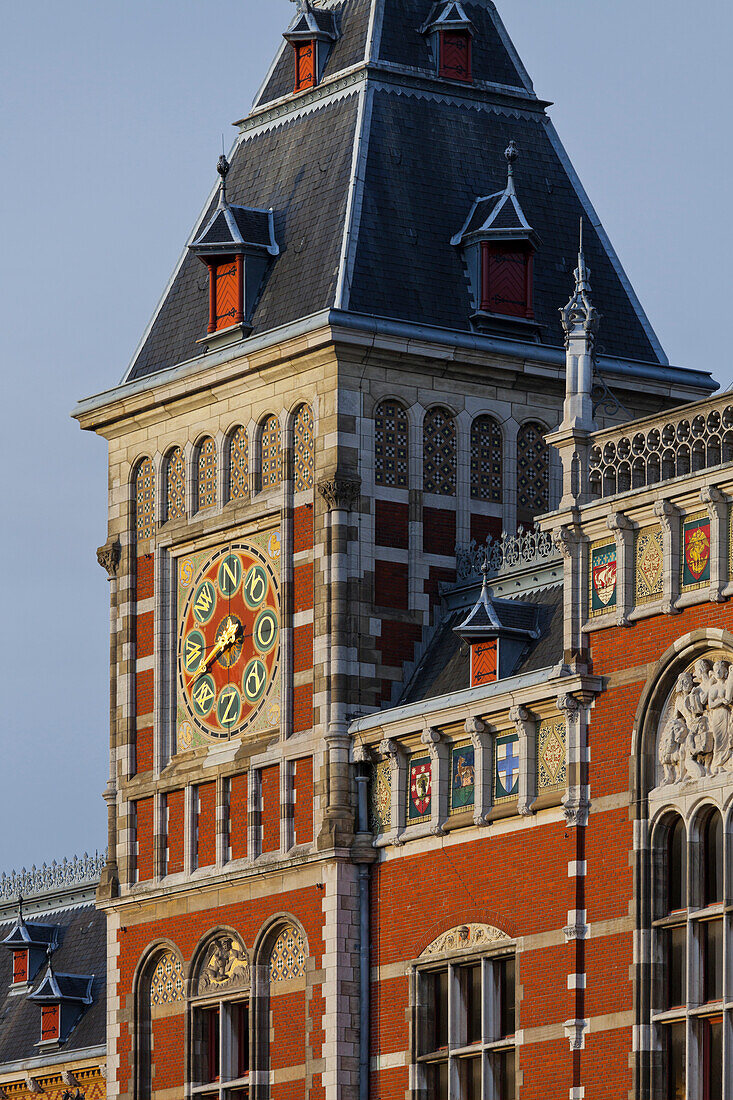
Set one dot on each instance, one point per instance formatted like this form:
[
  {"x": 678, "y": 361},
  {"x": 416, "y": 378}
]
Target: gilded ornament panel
[
  {"x": 551, "y": 755},
  {"x": 381, "y": 797},
  {"x": 695, "y": 555},
  {"x": 648, "y": 565}
]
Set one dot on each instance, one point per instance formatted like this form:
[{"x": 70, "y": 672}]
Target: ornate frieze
[
  {"x": 695, "y": 738},
  {"x": 463, "y": 937}
]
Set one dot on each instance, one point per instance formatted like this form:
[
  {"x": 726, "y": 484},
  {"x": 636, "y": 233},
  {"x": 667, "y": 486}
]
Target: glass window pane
[
  {"x": 677, "y": 867},
  {"x": 713, "y": 840},
  {"x": 470, "y": 1075},
  {"x": 712, "y": 954},
  {"x": 713, "y": 1060},
  {"x": 676, "y": 1051},
  {"x": 506, "y": 993},
  {"x": 242, "y": 1018},
  {"x": 438, "y": 1082},
  {"x": 504, "y": 1071},
  {"x": 439, "y": 1009},
  {"x": 211, "y": 1041},
  {"x": 471, "y": 992},
  {"x": 676, "y": 966}
]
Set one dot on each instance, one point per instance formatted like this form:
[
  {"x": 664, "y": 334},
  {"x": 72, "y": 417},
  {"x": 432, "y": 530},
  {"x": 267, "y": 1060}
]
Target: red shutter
[
  {"x": 483, "y": 663},
  {"x": 506, "y": 281},
  {"x": 50, "y": 1021},
  {"x": 305, "y": 65},
  {"x": 228, "y": 293},
  {"x": 455, "y": 55},
  {"x": 20, "y": 967}
]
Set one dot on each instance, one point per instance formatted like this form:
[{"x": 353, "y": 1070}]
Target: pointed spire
[
  {"x": 511, "y": 154},
  {"x": 580, "y": 321},
  {"x": 580, "y": 311},
  {"x": 222, "y": 167}
]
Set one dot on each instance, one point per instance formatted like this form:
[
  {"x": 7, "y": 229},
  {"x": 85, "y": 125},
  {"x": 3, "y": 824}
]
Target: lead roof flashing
[
  {"x": 311, "y": 23},
  {"x": 447, "y": 15}
]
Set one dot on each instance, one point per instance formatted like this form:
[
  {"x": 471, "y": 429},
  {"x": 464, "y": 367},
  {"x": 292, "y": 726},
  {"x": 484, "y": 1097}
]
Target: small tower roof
[
  {"x": 498, "y": 216},
  {"x": 63, "y": 988},
  {"x": 235, "y": 228},
  {"x": 492, "y": 618},
  {"x": 311, "y": 22},
  {"x": 447, "y": 15},
  {"x": 29, "y": 934}
]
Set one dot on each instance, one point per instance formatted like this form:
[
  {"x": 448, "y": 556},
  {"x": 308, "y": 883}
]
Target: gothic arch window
[
  {"x": 391, "y": 445},
  {"x": 270, "y": 454},
  {"x": 206, "y": 474},
  {"x": 160, "y": 994},
  {"x": 462, "y": 990},
  {"x": 439, "y": 452},
  {"x": 144, "y": 483},
  {"x": 713, "y": 859},
  {"x": 287, "y": 957},
  {"x": 281, "y": 1004},
  {"x": 533, "y": 471},
  {"x": 303, "y": 449},
  {"x": 238, "y": 465},
  {"x": 175, "y": 484},
  {"x": 486, "y": 459},
  {"x": 219, "y": 1056}
]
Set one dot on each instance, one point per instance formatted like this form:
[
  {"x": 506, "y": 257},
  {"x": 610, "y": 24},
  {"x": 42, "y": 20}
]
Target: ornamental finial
[
  {"x": 222, "y": 167},
  {"x": 20, "y": 908}
]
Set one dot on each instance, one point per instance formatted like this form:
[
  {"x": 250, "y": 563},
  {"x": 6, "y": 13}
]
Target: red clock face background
[{"x": 228, "y": 641}]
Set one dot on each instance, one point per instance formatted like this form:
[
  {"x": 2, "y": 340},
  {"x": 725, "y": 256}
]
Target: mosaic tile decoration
[
  {"x": 287, "y": 960},
  {"x": 303, "y": 451},
  {"x": 439, "y": 453},
  {"x": 463, "y": 778},
  {"x": 166, "y": 985},
  {"x": 238, "y": 465},
  {"x": 602, "y": 576},
  {"x": 175, "y": 480},
  {"x": 271, "y": 453},
  {"x": 533, "y": 469},
  {"x": 551, "y": 766},
  {"x": 207, "y": 474},
  {"x": 486, "y": 459},
  {"x": 145, "y": 500},
  {"x": 381, "y": 797},
  {"x": 695, "y": 556},
  {"x": 506, "y": 768},
  {"x": 391, "y": 442},
  {"x": 648, "y": 565},
  {"x": 419, "y": 790}
]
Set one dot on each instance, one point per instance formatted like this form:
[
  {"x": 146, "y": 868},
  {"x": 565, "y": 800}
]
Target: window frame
[{"x": 229, "y": 1078}]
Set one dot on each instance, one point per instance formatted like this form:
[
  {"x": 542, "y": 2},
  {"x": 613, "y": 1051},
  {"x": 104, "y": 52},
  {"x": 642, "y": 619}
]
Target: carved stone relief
[
  {"x": 695, "y": 737},
  {"x": 464, "y": 937},
  {"x": 226, "y": 966}
]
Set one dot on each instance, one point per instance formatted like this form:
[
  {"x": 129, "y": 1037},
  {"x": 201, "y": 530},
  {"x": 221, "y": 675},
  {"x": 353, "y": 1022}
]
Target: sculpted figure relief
[
  {"x": 696, "y": 732},
  {"x": 226, "y": 965}
]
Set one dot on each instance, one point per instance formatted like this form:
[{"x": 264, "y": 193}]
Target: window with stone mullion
[{"x": 221, "y": 1051}]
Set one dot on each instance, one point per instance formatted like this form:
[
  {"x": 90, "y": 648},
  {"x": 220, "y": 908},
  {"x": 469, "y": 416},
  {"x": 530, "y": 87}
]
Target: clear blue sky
[{"x": 110, "y": 126}]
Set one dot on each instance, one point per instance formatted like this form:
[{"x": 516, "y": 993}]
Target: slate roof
[
  {"x": 371, "y": 234},
  {"x": 81, "y": 950},
  {"x": 446, "y": 662}
]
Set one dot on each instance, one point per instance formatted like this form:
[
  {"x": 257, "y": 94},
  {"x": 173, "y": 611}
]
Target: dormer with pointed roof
[
  {"x": 311, "y": 34},
  {"x": 63, "y": 998},
  {"x": 450, "y": 32},
  {"x": 499, "y": 632},
  {"x": 498, "y": 245},
  {"x": 235, "y": 244},
  {"x": 29, "y": 942}
]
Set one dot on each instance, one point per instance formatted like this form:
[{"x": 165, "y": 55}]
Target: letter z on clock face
[{"x": 228, "y": 641}]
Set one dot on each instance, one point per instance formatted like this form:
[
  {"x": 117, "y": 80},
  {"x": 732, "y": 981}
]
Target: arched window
[
  {"x": 439, "y": 452},
  {"x": 677, "y": 866},
  {"x": 712, "y": 841},
  {"x": 287, "y": 958},
  {"x": 391, "y": 443},
  {"x": 206, "y": 474},
  {"x": 238, "y": 465},
  {"x": 220, "y": 1006},
  {"x": 144, "y": 500},
  {"x": 533, "y": 471},
  {"x": 175, "y": 484},
  {"x": 486, "y": 460},
  {"x": 160, "y": 995},
  {"x": 271, "y": 463},
  {"x": 303, "y": 456}
]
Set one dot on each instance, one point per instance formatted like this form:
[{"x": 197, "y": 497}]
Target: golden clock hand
[{"x": 226, "y": 640}]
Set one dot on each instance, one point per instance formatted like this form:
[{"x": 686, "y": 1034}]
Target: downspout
[{"x": 364, "y": 855}]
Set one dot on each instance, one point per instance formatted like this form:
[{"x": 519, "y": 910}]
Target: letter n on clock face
[{"x": 228, "y": 644}]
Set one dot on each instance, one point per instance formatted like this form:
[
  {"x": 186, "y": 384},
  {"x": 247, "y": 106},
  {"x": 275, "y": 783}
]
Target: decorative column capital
[
  {"x": 108, "y": 556},
  {"x": 476, "y": 728},
  {"x": 521, "y": 718},
  {"x": 390, "y": 750},
  {"x": 430, "y": 737},
  {"x": 568, "y": 703},
  {"x": 341, "y": 492},
  {"x": 362, "y": 754},
  {"x": 564, "y": 540},
  {"x": 618, "y": 522},
  {"x": 666, "y": 511}
]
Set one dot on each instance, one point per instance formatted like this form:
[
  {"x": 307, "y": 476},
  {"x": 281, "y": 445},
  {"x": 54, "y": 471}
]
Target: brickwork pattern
[
  {"x": 439, "y": 531},
  {"x": 270, "y": 795},
  {"x": 238, "y": 815},
  {"x": 206, "y": 825},
  {"x": 391, "y": 524},
  {"x": 303, "y": 807},
  {"x": 391, "y": 584}
]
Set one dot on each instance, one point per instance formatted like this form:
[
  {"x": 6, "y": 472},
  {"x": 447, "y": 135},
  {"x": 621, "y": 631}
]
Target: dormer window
[
  {"x": 62, "y": 999},
  {"x": 29, "y": 943},
  {"x": 50, "y": 1023},
  {"x": 20, "y": 967},
  {"x": 455, "y": 55},
  {"x": 498, "y": 246},
  {"x": 500, "y": 633},
  {"x": 450, "y": 34},
  {"x": 236, "y": 246},
  {"x": 311, "y": 34}
]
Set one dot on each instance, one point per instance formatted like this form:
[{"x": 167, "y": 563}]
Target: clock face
[{"x": 229, "y": 641}]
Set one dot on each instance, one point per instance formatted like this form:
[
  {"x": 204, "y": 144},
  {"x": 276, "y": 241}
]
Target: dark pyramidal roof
[{"x": 373, "y": 172}]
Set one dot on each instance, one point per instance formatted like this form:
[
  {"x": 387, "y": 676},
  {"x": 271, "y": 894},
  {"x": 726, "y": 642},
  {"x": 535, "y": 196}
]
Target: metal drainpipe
[{"x": 363, "y": 828}]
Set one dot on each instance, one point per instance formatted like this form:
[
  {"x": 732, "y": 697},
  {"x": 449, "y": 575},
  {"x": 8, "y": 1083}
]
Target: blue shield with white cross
[{"x": 506, "y": 767}]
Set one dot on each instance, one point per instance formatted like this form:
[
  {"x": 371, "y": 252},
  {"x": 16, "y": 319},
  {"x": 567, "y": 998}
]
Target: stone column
[
  {"x": 108, "y": 557},
  {"x": 668, "y": 516},
  {"x": 478, "y": 731},
  {"x": 439, "y": 779},
  {"x": 717, "y": 507},
  {"x": 576, "y": 801},
  {"x": 526, "y": 728},
  {"x": 623, "y": 533},
  {"x": 394, "y": 752},
  {"x": 341, "y": 494},
  {"x": 572, "y": 547}
]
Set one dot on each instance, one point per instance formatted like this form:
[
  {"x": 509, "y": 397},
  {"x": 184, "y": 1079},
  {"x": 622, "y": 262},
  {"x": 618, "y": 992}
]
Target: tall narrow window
[
  {"x": 677, "y": 867},
  {"x": 713, "y": 859},
  {"x": 305, "y": 65},
  {"x": 206, "y": 489},
  {"x": 439, "y": 452},
  {"x": 175, "y": 482},
  {"x": 238, "y": 465},
  {"x": 391, "y": 442},
  {"x": 271, "y": 464},
  {"x": 145, "y": 500},
  {"x": 486, "y": 460},
  {"x": 219, "y": 1052},
  {"x": 455, "y": 55},
  {"x": 303, "y": 456},
  {"x": 533, "y": 470}
]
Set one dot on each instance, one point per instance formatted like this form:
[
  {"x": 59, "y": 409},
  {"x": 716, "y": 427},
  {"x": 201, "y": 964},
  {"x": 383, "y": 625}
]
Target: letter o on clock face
[{"x": 228, "y": 639}]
